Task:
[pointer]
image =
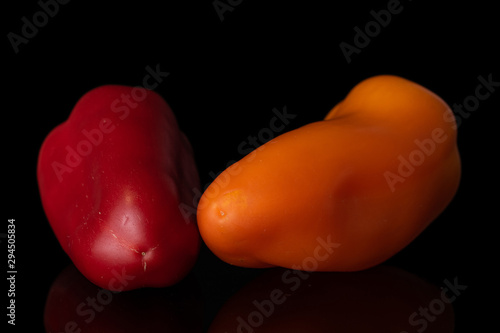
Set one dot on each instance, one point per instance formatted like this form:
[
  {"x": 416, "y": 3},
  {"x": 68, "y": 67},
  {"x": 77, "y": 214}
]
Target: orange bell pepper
[{"x": 342, "y": 194}]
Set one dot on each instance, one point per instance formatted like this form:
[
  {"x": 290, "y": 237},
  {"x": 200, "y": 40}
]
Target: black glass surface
[{"x": 230, "y": 63}]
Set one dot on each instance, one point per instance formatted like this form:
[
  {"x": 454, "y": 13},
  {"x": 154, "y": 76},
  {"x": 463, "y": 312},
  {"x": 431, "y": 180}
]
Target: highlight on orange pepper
[{"x": 342, "y": 194}]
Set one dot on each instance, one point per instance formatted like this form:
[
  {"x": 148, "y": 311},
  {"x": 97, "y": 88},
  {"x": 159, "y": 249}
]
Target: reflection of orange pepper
[
  {"x": 369, "y": 178},
  {"x": 382, "y": 299}
]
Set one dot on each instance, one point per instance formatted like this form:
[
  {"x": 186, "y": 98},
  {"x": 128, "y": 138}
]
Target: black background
[{"x": 225, "y": 79}]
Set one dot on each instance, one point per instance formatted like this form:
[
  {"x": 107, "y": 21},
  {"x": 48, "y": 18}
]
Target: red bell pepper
[{"x": 111, "y": 179}]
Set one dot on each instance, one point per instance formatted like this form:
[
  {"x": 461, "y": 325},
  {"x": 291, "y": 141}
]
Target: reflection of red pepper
[
  {"x": 76, "y": 305},
  {"x": 381, "y": 299},
  {"x": 111, "y": 179}
]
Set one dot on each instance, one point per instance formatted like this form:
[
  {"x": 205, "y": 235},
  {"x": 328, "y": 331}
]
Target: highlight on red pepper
[
  {"x": 369, "y": 178},
  {"x": 111, "y": 179}
]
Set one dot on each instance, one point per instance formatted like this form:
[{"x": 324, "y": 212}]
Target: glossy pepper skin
[
  {"x": 342, "y": 194},
  {"x": 111, "y": 179}
]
